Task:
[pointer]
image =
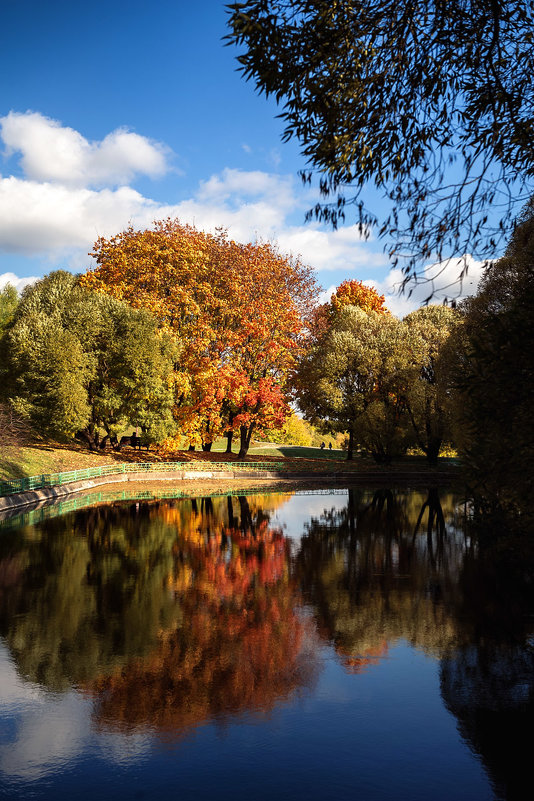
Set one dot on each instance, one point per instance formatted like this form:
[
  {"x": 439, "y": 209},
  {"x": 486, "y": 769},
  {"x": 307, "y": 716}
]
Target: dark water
[{"x": 343, "y": 644}]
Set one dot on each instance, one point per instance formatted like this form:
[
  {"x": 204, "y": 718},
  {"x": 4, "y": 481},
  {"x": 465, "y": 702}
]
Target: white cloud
[
  {"x": 441, "y": 281},
  {"x": 58, "y": 210},
  {"x": 52, "y": 152},
  {"x": 48, "y": 218},
  {"x": 69, "y": 198},
  {"x": 236, "y": 187},
  {"x": 343, "y": 249},
  {"x": 14, "y": 280}
]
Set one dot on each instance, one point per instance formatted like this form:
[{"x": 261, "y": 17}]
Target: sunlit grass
[{"x": 37, "y": 459}]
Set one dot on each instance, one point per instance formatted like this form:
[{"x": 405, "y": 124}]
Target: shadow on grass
[
  {"x": 299, "y": 451},
  {"x": 12, "y": 469}
]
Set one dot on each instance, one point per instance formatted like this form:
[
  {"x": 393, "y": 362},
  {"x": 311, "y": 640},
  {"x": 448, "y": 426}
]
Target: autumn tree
[
  {"x": 238, "y": 310},
  {"x": 355, "y": 378},
  {"x": 82, "y": 362},
  {"x": 427, "y": 397},
  {"x": 428, "y": 103},
  {"x": 348, "y": 293},
  {"x": 356, "y": 293}
]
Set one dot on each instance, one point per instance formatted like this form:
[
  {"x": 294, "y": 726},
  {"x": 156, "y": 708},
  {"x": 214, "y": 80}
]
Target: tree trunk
[
  {"x": 230, "y": 508},
  {"x": 91, "y": 436},
  {"x": 245, "y": 433},
  {"x": 350, "y": 447},
  {"x": 432, "y": 451},
  {"x": 191, "y": 448},
  {"x": 206, "y": 446},
  {"x": 87, "y": 436},
  {"x": 246, "y": 515},
  {"x": 230, "y": 433}
]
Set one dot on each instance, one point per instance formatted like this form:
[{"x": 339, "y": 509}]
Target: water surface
[{"x": 349, "y": 643}]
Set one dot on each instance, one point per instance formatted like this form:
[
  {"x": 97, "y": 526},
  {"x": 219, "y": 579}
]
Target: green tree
[
  {"x": 427, "y": 396},
  {"x": 9, "y": 299},
  {"x": 430, "y": 103},
  {"x": 82, "y": 361},
  {"x": 494, "y": 381},
  {"x": 355, "y": 379},
  {"x": 13, "y": 429}
]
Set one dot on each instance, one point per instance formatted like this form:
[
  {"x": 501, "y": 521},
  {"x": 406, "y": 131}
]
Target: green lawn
[
  {"x": 280, "y": 451},
  {"x": 298, "y": 452}
]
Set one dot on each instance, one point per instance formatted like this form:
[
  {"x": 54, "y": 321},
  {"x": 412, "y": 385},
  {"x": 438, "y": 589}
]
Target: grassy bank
[
  {"x": 38, "y": 458},
  {"x": 32, "y": 460}
]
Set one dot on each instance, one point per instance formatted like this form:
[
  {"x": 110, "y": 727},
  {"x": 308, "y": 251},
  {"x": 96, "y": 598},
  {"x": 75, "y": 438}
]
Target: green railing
[{"x": 58, "y": 479}]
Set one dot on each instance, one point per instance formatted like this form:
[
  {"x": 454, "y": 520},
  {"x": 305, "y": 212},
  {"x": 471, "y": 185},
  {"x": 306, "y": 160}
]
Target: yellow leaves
[{"x": 238, "y": 311}]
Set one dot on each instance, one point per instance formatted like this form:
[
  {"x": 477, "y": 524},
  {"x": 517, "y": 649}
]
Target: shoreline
[{"x": 212, "y": 482}]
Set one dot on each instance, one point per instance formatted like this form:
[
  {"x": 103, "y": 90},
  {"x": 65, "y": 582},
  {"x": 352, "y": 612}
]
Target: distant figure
[
  {"x": 330, "y": 445},
  {"x": 322, "y": 445}
]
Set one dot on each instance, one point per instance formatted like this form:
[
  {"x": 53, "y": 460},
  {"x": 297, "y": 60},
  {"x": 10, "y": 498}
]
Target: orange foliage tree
[
  {"x": 348, "y": 293},
  {"x": 238, "y": 310},
  {"x": 355, "y": 293}
]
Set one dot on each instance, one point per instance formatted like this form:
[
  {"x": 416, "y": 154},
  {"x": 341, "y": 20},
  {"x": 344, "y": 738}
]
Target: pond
[{"x": 343, "y": 643}]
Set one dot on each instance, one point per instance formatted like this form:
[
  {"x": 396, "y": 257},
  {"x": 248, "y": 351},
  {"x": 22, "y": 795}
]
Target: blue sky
[{"x": 133, "y": 111}]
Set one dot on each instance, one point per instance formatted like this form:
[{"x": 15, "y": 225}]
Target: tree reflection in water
[
  {"x": 489, "y": 688},
  {"x": 242, "y": 646},
  {"x": 488, "y": 683},
  {"x": 398, "y": 566},
  {"x": 373, "y": 577},
  {"x": 171, "y": 614},
  {"x": 90, "y": 593}
]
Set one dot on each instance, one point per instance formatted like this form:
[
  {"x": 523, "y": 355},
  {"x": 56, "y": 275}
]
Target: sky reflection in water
[{"x": 303, "y": 646}]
